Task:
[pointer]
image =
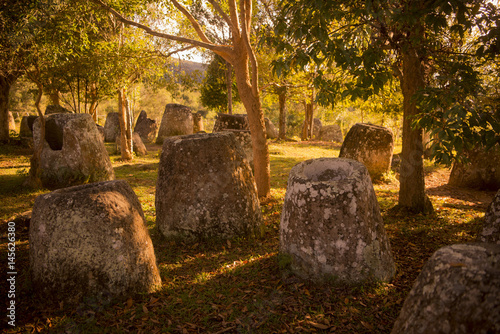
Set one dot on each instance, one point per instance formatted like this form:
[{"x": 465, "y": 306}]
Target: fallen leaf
[{"x": 317, "y": 325}]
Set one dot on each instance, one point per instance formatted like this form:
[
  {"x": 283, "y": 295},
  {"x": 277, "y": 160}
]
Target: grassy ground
[{"x": 237, "y": 286}]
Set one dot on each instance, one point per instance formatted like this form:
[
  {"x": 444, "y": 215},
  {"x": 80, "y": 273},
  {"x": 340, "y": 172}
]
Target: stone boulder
[
  {"x": 26, "y": 127},
  {"x": 198, "y": 123},
  {"x": 331, "y": 227},
  {"x": 206, "y": 189},
  {"x": 231, "y": 122},
  {"x": 457, "y": 291},
  {"x": 73, "y": 152},
  {"x": 177, "y": 120},
  {"x": 371, "y": 145},
  {"x": 91, "y": 241},
  {"x": 55, "y": 109},
  {"x": 112, "y": 127},
  {"x": 138, "y": 145},
  {"x": 271, "y": 131},
  {"x": 100, "y": 128},
  {"x": 146, "y": 127},
  {"x": 482, "y": 171},
  {"x": 244, "y": 138},
  {"x": 12, "y": 122},
  {"x": 490, "y": 231},
  {"x": 331, "y": 133}
]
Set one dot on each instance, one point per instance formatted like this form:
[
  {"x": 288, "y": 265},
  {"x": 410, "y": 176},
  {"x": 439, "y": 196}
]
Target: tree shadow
[{"x": 478, "y": 199}]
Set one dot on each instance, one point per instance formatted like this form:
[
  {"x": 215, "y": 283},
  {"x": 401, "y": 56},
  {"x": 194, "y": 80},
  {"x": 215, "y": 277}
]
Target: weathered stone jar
[
  {"x": 371, "y": 145},
  {"x": 206, "y": 188},
  {"x": 73, "y": 152},
  {"x": 177, "y": 120},
  {"x": 490, "y": 231},
  {"x": 458, "y": 291},
  {"x": 331, "y": 227},
  {"x": 112, "y": 127},
  {"x": 91, "y": 241}
]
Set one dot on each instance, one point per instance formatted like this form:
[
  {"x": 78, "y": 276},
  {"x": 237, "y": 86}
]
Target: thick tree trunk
[
  {"x": 282, "y": 106},
  {"x": 5, "y": 84},
  {"x": 125, "y": 138},
  {"x": 412, "y": 183},
  {"x": 229, "y": 86},
  {"x": 262, "y": 171}
]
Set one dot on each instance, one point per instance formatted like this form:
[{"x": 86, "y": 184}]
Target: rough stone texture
[
  {"x": 331, "y": 225},
  {"x": 177, "y": 120},
  {"x": 100, "y": 128},
  {"x": 26, "y": 127},
  {"x": 112, "y": 127},
  {"x": 244, "y": 138},
  {"x": 231, "y": 122},
  {"x": 198, "y": 123},
  {"x": 91, "y": 241},
  {"x": 138, "y": 145},
  {"x": 12, "y": 122},
  {"x": 458, "y": 291},
  {"x": 371, "y": 145},
  {"x": 490, "y": 232},
  {"x": 481, "y": 172},
  {"x": 271, "y": 131},
  {"x": 205, "y": 188},
  {"x": 73, "y": 152},
  {"x": 146, "y": 127},
  {"x": 331, "y": 133},
  {"x": 53, "y": 109}
]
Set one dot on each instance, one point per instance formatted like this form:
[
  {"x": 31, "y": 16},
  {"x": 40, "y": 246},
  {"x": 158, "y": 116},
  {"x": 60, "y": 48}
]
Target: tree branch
[
  {"x": 246, "y": 17},
  {"x": 206, "y": 44},
  {"x": 193, "y": 21},
  {"x": 219, "y": 10},
  {"x": 234, "y": 19}
]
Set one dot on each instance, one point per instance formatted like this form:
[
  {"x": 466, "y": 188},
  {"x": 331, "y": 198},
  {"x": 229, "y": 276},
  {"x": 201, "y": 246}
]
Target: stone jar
[
  {"x": 91, "y": 242},
  {"x": 331, "y": 227},
  {"x": 206, "y": 188},
  {"x": 371, "y": 145}
]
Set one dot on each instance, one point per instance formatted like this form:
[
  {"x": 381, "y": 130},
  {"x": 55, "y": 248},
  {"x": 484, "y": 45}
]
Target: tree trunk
[
  {"x": 412, "y": 183},
  {"x": 307, "y": 129},
  {"x": 5, "y": 84},
  {"x": 262, "y": 171},
  {"x": 125, "y": 139},
  {"x": 282, "y": 105},
  {"x": 229, "y": 85},
  {"x": 34, "y": 176}
]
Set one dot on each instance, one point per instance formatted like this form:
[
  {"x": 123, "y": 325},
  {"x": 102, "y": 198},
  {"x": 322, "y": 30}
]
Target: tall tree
[
  {"x": 240, "y": 54},
  {"x": 375, "y": 41},
  {"x": 14, "y": 45}
]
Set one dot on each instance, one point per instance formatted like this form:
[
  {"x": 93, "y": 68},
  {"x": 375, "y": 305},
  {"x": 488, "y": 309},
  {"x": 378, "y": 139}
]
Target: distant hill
[{"x": 190, "y": 68}]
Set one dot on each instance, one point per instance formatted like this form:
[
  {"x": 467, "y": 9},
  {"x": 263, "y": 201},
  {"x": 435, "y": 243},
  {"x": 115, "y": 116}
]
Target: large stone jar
[
  {"x": 371, "y": 145},
  {"x": 206, "y": 188},
  {"x": 177, "y": 120},
  {"x": 331, "y": 227},
  {"x": 91, "y": 241},
  {"x": 73, "y": 151},
  {"x": 458, "y": 291}
]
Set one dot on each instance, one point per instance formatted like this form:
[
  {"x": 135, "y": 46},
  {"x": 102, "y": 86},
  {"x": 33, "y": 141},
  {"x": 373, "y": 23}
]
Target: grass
[{"x": 237, "y": 286}]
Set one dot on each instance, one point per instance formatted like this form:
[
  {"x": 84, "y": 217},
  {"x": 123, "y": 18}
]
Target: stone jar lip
[
  {"x": 95, "y": 185},
  {"x": 328, "y": 170},
  {"x": 196, "y": 136}
]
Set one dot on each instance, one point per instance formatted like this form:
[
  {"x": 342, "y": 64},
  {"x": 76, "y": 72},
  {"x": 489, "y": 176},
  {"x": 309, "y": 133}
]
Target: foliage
[
  {"x": 214, "y": 89},
  {"x": 366, "y": 41}
]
